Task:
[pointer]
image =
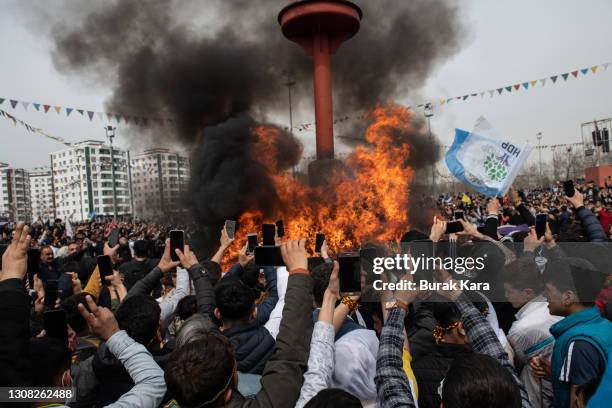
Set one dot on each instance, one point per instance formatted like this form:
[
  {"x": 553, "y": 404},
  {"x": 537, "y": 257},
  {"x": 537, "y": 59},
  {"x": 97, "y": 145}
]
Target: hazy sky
[{"x": 507, "y": 43}]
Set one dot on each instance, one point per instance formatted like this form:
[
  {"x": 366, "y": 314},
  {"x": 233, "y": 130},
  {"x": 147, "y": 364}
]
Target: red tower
[{"x": 320, "y": 27}]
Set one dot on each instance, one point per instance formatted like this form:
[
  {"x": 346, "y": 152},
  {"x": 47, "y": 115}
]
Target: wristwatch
[{"x": 396, "y": 303}]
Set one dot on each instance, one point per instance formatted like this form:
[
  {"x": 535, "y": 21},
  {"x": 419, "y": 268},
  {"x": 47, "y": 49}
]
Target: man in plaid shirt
[{"x": 391, "y": 381}]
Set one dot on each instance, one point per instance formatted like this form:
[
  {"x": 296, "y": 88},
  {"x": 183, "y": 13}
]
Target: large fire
[{"x": 366, "y": 201}]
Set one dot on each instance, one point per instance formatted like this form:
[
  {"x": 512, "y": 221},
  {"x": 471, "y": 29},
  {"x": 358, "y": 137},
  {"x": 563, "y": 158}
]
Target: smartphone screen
[
  {"x": 54, "y": 323},
  {"x": 349, "y": 274},
  {"x": 33, "y": 264},
  {"x": 230, "y": 228},
  {"x": 319, "y": 241},
  {"x": 113, "y": 237},
  {"x": 268, "y": 232},
  {"x": 453, "y": 227},
  {"x": 568, "y": 187},
  {"x": 540, "y": 224},
  {"x": 367, "y": 255},
  {"x": 177, "y": 241},
  {"x": 51, "y": 293},
  {"x": 280, "y": 228},
  {"x": 252, "y": 242},
  {"x": 459, "y": 215},
  {"x": 268, "y": 255},
  {"x": 105, "y": 266}
]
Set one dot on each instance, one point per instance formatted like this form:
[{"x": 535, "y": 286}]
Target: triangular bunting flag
[
  {"x": 69, "y": 111},
  {"x": 118, "y": 118},
  {"x": 565, "y": 76},
  {"x": 127, "y": 119},
  {"x": 99, "y": 115},
  {"x": 525, "y": 85},
  {"x": 482, "y": 94},
  {"x": 25, "y": 105},
  {"x": 81, "y": 111},
  {"x": 90, "y": 114},
  {"x": 491, "y": 92},
  {"x": 458, "y": 97},
  {"x": 46, "y": 108},
  {"x": 448, "y": 100},
  {"x": 584, "y": 71},
  {"x": 594, "y": 68},
  {"x": 533, "y": 83},
  {"x": 543, "y": 81},
  {"x": 465, "y": 97},
  {"x": 554, "y": 78},
  {"x": 2, "y": 101},
  {"x": 442, "y": 101},
  {"x": 36, "y": 106},
  {"x": 517, "y": 86},
  {"x": 500, "y": 90},
  {"x": 606, "y": 65},
  {"x": 509, "y": 88},
  {"x": 14, "y": 103},
  {"x": 57, "y": 109},
  {"x": 575, "y": 74},
  {"x": 474, "y": 94},
  {"x": 109, "y": 116}
]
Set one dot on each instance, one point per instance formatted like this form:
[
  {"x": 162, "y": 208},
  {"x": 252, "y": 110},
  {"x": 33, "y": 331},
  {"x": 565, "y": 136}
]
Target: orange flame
[{"x": 367, "y": 201}]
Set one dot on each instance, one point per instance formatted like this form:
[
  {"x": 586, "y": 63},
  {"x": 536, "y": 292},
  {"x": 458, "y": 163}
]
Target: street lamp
[
  {"x": 428, "y": 112},
  {"x": 539, "y": 137},
  {"x": 110, "y": 134}
]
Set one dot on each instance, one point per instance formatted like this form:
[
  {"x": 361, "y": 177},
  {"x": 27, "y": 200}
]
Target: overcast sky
[{"x": 507, "y": 43}]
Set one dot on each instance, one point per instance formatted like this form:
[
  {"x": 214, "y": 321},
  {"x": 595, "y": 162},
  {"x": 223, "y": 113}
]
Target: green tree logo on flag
[{"x": 495, "y": 169}]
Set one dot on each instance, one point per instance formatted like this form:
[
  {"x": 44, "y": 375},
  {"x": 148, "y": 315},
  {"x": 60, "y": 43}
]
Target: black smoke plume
[{"x": 217, "y": 68}]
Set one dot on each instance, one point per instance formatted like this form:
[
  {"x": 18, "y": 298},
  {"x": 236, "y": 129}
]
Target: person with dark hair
[
  {"x": 203, "y": 372},
  {"x": 50, "y": 360},
  {"x": 479, "y": 381},
  {"x": 451, "y": 342},
  {"x": 253, "y": 344},
  {"x": 332, "y": 398},
  {"x": 394, "y": 389},
  {"x": 590, "y": 223},
  {"x": 50, "y": 265},
  {"x": 139, "y": 266},
  {"x": 583, "y": 338},
  {"x": 530, "y": 334}
]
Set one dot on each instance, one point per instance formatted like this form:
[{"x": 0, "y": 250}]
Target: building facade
[
  {"x": 159, "y": 179},
  {"x": 15, "y": 194},
  {"x": 41, "y": 194},
  {"x": 85, "y": 184}
]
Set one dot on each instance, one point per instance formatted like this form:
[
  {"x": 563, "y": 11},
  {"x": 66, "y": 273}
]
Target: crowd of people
[{"x": 178, "y": 330}]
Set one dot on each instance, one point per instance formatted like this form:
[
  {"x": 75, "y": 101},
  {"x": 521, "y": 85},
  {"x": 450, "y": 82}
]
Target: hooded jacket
[{"x": 253, "y": 346}]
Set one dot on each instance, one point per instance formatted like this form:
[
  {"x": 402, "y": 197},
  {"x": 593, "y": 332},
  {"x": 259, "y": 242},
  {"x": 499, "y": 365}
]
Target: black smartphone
[
  {"x": 367, "y": 255},
  {"x": 2, "y": 251},
  {"x": 105, "y": 267},
  {"x": 320, "y": 238},
  {"x": 453, "y": 227},
  {"x": 459, "y": 215},
  {"x": 268, "y": 231},
  {"x": 568, "y": 187},
  {"x": 51, "y": 293},
  {"x": 280, "y": 228},
  {"x": 350, "y": 274},
  {"x": 54, "y": 323},
  {"x": 423, "y": 249},
  {"x": 177, "y": 241},
  {"x": 540, "y": 224},
  {"x": 252, "y": 242},
  {"x": 113, "y": 237},
  {"x": 268, "y": 255},
  {"x": 230, "y": 228},
  {"x": 33, "y": 264}
]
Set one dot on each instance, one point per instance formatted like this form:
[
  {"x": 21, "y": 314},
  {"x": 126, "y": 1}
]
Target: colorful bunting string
[{"x": 144, "y": 121}]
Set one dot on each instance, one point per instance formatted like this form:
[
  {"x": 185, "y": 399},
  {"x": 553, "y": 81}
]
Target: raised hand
[
  {"x": 294, "y": 255},
  {"x": 166, "y": 264},
  {"x": 15, "y": 258},
  {"x": 187, "y": 258},
  {"x": 225, "y": 240},
  {"x": 438, "y": 229},
  {"x": 244, "y": 257},
  {"x": 531, "y": 241},
  {"x": 100, "y": 320}
]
